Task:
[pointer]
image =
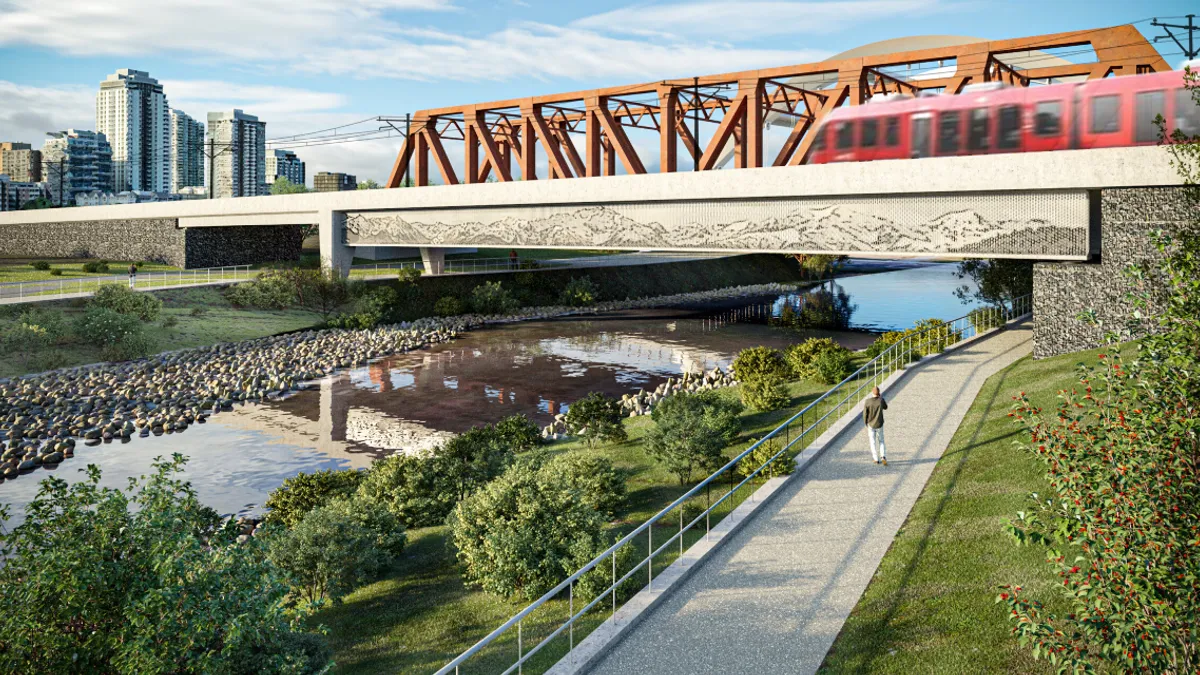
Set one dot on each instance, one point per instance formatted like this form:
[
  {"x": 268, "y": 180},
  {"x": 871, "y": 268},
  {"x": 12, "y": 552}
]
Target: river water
[{"x": 416, "y": 400}]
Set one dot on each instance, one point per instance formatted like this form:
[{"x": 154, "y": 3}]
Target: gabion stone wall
[
  {"x": 157, "y": 240},
  {"x": 1061, "y": 291},
  {"x": 148, "y": 239},
  {"x": 242, "y": 245}
]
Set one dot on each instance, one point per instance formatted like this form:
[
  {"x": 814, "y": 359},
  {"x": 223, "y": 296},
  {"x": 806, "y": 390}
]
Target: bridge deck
[{"x": 776, "y": 595}]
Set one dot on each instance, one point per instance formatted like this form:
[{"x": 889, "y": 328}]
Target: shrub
[
  {"x": 288, "y": 503},
  {"x": 409, "y": 275},
  {"x": 271, "y": 289},
  {"x": 832, "y": 366},
  {"x": 782, "y": 466},
  {"x": 524, "y": 532},
  {"x": 95, "y": 266},
  {"x": 408, "y": 487},
  {"x": 579, "y": 292},
  {"x": 519, "y": 433},
  {"x": 882, "y": 342},
  {"x": 937, "y": 335},
  {"x": 119, "y": 336},
  {"x": 132, "y": 346},
  {"x": 330, "y": 552},
  {"x": 599, "y": 578},
  {"x": 122, "y": 300},
  {"x": 24, "y": 338},
  {"x": 170, "y": 321},
  {"x": 764, "y": 393},
  {"x": 597, "y": 418},
  {"x": 51, "y": 321},
  {"x": 370, "y": 309},
  {"x": 759, "y": 362},
  {"x": 801, "y": 358},
  {"x": 449, "y": 306},
  {"x": 56, "y": 272},
  {"x": 690, "y": 433},
  {"x": 492, "y": 298},
  {"x": 598, "y": 484},
  {"x": 199, "y": 311},
  {"x": 469, "y": 460},
  {"x": 986, "y": 318},
  {"x": 100, "y": 580},
  {"x": 42, "y": 265}
]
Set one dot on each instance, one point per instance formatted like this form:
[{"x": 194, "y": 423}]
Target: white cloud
[
  {"x": 29, "y": 112},
  {"x": 230, "y": 29},
  {"x": 733, "y": 20}
]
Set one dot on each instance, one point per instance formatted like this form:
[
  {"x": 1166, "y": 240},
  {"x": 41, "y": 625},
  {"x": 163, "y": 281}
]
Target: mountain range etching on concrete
[{"x": 1053, "y": 225}]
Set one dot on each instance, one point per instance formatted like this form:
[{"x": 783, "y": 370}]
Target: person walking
[
  {"x": 512, "y": 259},
  {"x": 873, "y": 409},
  {"x": 132, "y": 275}
]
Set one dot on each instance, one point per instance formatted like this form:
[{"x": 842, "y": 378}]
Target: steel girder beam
[{"x": 495, "y": 133}]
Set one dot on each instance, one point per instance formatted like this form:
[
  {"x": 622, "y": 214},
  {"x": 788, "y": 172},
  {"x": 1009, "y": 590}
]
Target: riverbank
[{"x": 932, "y": 599}]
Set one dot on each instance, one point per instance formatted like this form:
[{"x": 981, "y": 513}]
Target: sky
[{"x": 306, "y": 65}]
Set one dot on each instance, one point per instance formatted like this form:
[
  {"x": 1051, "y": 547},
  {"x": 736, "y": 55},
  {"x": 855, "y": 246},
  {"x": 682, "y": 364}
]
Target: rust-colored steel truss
[{"x": 497, "y": 134}]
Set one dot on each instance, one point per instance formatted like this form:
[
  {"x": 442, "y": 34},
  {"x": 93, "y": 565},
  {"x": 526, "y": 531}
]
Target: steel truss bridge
[{"x": 500, "y": 134}]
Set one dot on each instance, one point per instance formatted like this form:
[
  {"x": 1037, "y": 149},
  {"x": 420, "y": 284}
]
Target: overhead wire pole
[{"x": 1189, "y": 51}]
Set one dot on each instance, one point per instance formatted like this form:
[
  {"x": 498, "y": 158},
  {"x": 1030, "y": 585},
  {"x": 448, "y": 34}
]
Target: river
[{"x": 415, "y": 400}]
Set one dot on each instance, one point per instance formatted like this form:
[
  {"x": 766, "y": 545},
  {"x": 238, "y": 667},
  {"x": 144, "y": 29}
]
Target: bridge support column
[
  {"x": 331, "y": 233},
  {"x": 434, "y": 260}
]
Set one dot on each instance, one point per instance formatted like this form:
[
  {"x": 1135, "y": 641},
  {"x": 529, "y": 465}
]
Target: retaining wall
[{"x": 1062, "y": 291}]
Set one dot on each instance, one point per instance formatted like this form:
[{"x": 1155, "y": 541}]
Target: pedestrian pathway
[{"x": 775, "y": 596}]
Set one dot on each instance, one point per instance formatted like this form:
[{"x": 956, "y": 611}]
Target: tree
[
  {"x": 142, "y": 580},
  {"x": 283, "y": 186},
  {"x": 691, "y": 432},
  {"x": 524, "y": 532},
  {"x": 998, "y": 282},
  {"x": 290, "y": 502},
  {"x": 469, "y": 460},
  {"x": 368, "y": 184},
  {"x": 1122, "y": 456},
  {"x": 37, "y": 203},
  {"x": 597, "y": 418}
]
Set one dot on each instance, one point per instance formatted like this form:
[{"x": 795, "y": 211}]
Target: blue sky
[{"x": 303, "y": 65}]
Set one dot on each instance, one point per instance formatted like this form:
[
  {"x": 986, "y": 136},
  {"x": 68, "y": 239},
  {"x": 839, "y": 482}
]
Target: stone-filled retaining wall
[
  {"x": 1061, "y": 291},
  {"x": 158, "y": 240}
]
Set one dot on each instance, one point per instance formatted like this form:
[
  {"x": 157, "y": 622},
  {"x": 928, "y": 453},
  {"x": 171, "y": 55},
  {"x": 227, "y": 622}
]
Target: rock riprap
[{"x": 42, "y": 417}]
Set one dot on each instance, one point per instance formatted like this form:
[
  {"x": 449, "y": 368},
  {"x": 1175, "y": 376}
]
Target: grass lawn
[
  {"x": 18, "y": 269},
  {"x": 202, "y": 317},
  {"x": 930, "y": 607},
  {"x": 420, "y": 614}
]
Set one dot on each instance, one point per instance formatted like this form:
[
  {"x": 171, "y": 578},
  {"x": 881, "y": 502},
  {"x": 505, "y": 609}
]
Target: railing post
[
  {"x": 614, "y": 587},
  {"x": 520, "y": 654},
  {"x": 650, "y": 556},
  {"x": 681, "y": 533},
  {"x": 571, "y": 609}
]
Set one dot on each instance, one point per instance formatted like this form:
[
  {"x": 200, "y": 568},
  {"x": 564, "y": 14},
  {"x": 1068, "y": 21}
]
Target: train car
[{"x": 993, "y": 118}]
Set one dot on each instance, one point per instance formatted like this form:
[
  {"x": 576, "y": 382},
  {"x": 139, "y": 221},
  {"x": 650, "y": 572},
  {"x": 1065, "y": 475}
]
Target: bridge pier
[
  {"x": 434, "y": 260},
  {"x": 331, "y": 234}
]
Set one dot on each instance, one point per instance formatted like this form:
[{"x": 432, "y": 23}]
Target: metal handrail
[
  {"x": 483, "y": 265},
  {"x": 932, "y": 339},
  {"x": 144, "y": 281}
]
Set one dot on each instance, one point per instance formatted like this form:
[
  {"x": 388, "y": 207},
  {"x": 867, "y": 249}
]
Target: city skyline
[{"x": 406, "y": 55}]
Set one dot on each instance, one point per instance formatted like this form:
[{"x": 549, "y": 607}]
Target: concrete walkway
[{"x": 775, "y": 596}]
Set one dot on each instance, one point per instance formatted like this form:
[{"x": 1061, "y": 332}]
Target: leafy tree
[
  {"x": 284, "y": 186},
  {"x": 998, "y": 282},
  {"x": 37, "y": 203},
  {"x": 271, "y": 289},
  {"x": 368, "y": 184},
  {"x": 1122, "y": 455},
  {"x": 290, "y": 502},
  {"x": 598, "y": 484},
  {"x": 449, "y": 306},
  {"x": 691, "y": 432},
  {"x": 335, "y": 548},
  {"x": 408, "y": 487},
  {"x": 764, "y": 393},
  {"x": 579, "y": 292},
  {"x": 757, "y": 362},
  {"x": 119, "y": 336},
  {"x": 524, "y": 532},
  {"x": 832, "y": 366},
  {"x": 801, "y": 358},
  {"x": 492, "y": 298},
  {"x": 142, "y": 580},
  {"x": 469, "y": 460},
  {"x": 597, "y": 418},
  {"x": 519, "y": 433}
]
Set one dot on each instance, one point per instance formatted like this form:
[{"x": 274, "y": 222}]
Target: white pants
[
  {"x": 132, "y": 281},
  {"x": 878, "y": 448}
]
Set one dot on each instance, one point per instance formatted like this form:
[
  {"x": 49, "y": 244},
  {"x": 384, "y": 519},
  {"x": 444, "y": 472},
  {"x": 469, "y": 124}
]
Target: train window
[
  {"x": 1106, "y": 114},
  {"x": 921, "y": 136},
  {"x": 948, "y": 132},
  {"x": 819, "y": 140},
  {"x": 1047, "y": 118},
  {"x": 869, "y": 133},
  {"x": 891, "y": 132},
  {"x": 845, "y": 135},
  {"x": 1008, "y": 136},
  {"x": 978, "y": 136},
  {"x": 1147, "y": 106},
  {"x": 1187, "y": 113}
]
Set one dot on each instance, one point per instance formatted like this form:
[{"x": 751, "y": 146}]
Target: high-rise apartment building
[
  {"x": 284, "y": 164},
  {"x": 20, "y": 162},
  {"x": 187, "y": 152},
  {"x": 236, "y": 152},
  {"x": 15, "y": 194},
  {"x": 75, "y": 161},
  {"x": 332, "y": 181},
  {"x": 132, "y": 113}
]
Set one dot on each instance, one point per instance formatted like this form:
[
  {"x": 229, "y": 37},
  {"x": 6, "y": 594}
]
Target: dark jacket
[{"x": 873, "y": 409}]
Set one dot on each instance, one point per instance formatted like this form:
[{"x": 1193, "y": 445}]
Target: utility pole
[
  {"x": 212, "y": 165},
  {"x": 1189, "y": 51},
  {"x": 408, "y": 165},
  {"x": 696, "y": 125}
]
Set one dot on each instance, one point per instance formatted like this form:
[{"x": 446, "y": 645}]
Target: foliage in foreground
[
  {"x": 142, "y": 580},
  {"x": 691, "y": 431},
  {"x": 526, "y": 531},
  {"x": 597, "y": 418}
]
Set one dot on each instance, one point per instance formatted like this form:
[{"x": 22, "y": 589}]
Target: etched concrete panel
[{"x": 1052, "y": 224}]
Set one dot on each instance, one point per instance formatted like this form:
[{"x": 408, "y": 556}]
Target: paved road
[{"x": 773, "y": 599}]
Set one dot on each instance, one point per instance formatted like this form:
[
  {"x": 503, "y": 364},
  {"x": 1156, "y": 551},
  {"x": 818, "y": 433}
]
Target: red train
[{"x": 991, "y": 118}]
